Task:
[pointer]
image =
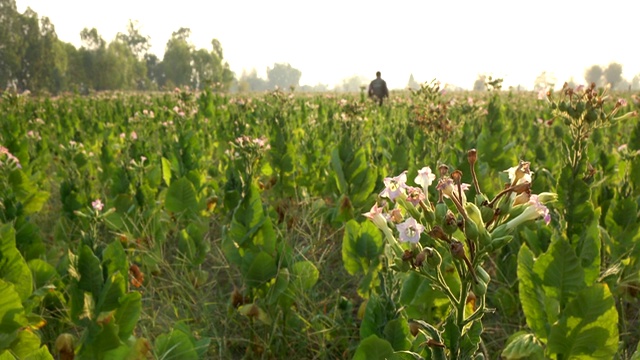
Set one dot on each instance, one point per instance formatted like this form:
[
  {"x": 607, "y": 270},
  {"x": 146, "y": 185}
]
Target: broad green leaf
[
  {"x": 43, "y": 272},
  {"x": 175, "y": 345},
  {"x": 396, "y": 332},
  {"x": 128, "y": 314},
  {"x": 451, "y": 333},
  {"x": 305, "y": 274},
  {"x": 373, "y": 348},
  {"x": 181, "y": 196},
  {"x": 113, "y": 289},
  {"x": 588, "y": 328},
  {"x": 362, "y": 244},
  {"x": 90, "y": 272},
  {"x": 100, "y": 339},
  {"x": 26, "y": 192},
  {"x": 13, "y": 268},
  {"x": 523, "y": 346},
  {"x": 531, "y": 294},
  {"x": 375, "y": 318},
  {"x": 114, "y": 259},
  {"x": 250, "y": 226},
  {"x": 279, "y": 287},
  {"x": 12, "y": 316},
  {"x": 336, "y": 164},
  {"x": 560, "y": 271},
  {"x": 262, "y": 269},
  {"x": 471, "y": 340},
  {"x": 588, "y": 249},
  {"x": 28, "y": 347}
]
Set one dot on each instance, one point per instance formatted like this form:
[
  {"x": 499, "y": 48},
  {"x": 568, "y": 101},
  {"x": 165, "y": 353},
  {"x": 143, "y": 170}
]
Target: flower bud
[
  {"x": 471, "y": 230},
  {"x": 457, "y": 249},
  {"x": 438, "y": 233},
  {"x": 441, "y": 211},
  {"x": 444, "y": 170},
  {"x": 546, "y": 197},
  {"x": 498, "y": 243},
  {"x": 450, "y": 223},
  {"x": 474, "y": 214},
  {"x": 472, "y": 156},
  {"x": 65, "y": 346}
]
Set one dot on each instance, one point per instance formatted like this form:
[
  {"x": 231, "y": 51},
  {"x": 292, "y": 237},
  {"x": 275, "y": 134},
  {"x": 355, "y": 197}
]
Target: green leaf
[
  {"x": 523, "y": 346},
  {"x": 114, "y": 259},
  {"x": 262, "y": 269},
  {"x": 175, "y": 346},
  {"x": 362, "y": 244},
  {"x": 250, "y": 227},
  {"x": 373, "y": 348},
  {"x": 531, "y": 294},
  {"x": 43, "y": 272},
  {"x": 181, "y": 196},
  {"x": 128, "y": 314},
  {"x": 280, "y": 286},
  {"x": 560, "y": 271},
  {"x": 588, "y": 328},
  {"x": 166, "y": 171},
  {"x": 12, "y": 316},
  {"x": 114, "y": 288},
  {"x": 471, "y": 340},
  {"x": 397, "y": 333},
  {"x": 90, "y": 272},
  {"x": 305, "y": 273},
  {"x": 451, "y": 333},
  {"x": 28, "y": 346},
  {"x": 336, "y": 164},
  {"x": 375, "y": 318},
  {"x": 588, "y": 249},
  {"x": 13, "y": 267}
]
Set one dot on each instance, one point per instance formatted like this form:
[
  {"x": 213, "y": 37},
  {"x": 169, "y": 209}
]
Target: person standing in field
[{"x": 378, "y": 89}]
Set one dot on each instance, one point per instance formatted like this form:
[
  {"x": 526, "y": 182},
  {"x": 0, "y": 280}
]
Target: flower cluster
[
  {"x": 404, "y": 213},
  {"x": 8, "y": 158}
]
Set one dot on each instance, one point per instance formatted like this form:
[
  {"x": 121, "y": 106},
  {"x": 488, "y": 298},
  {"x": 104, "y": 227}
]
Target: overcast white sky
[{"x": 330, "y": 40}]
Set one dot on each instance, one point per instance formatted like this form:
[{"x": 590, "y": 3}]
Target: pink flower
[
  {"x": 97, "y": 205},
  {"x": 134, "y": 135},
  {"x": 394, "y": 186},
  {"x": 410, "y": 231},
  {"x": 425, "y": 178}
]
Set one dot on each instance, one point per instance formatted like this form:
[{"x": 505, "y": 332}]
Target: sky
[{"x": 451, "y": 41}]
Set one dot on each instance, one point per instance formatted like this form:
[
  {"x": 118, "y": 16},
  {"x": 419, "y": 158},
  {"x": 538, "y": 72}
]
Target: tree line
[{"x": 33, "y": 58}]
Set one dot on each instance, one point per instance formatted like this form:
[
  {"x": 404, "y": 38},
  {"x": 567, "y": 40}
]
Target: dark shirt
[{"x": 378, "y": 88}]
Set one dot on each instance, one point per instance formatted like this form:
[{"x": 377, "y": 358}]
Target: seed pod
[
  {"x": 473, "y": 212},
  {"x": 498, "y": 243},
  {"x": 65, "y": 346},
  {"x": 450, "y": 223},
  {"x": 471, "y": 230},
  {"x": 441, "y": 211}
]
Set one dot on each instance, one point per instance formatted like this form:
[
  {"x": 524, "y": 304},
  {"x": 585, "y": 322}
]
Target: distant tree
[
  {"x": 478, "y": 85},
  {"x": 635, "y": 82},
  {"x": 283, "y": 76},
  {"x": 353, "y": 83},
  {"x": 176, "y": 63},
  {"x": 251, "y": 82},
  {"x": 594, "y": 75},
  {"x": 91, "y": 40},
  {"x": 412, "y": 84},
  {"x": 155, "y": 76},
  {"x": 209, "y": 70},
  {"x": 137, "y": 43},
  {"x": 613, "y": 74},
  {"x": 10, "y": 46}
]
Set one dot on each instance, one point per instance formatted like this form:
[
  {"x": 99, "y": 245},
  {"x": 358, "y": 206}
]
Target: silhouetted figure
[{"x": 378, "y": 89}]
